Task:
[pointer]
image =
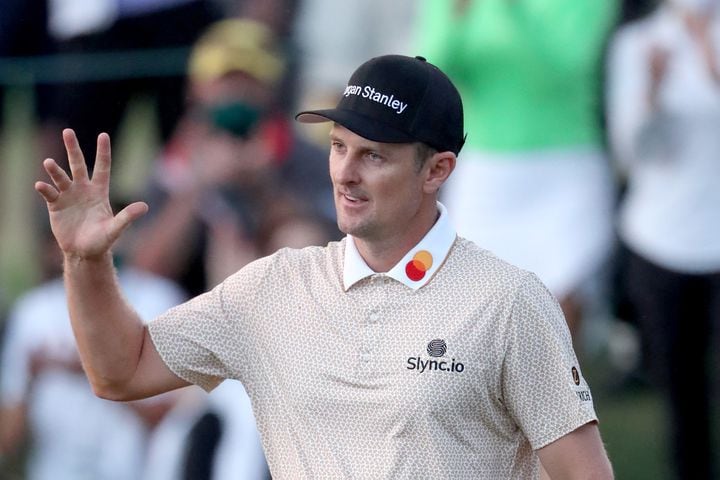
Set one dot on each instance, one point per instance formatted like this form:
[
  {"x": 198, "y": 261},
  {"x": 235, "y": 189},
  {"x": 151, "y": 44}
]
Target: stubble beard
[{"x": 362, "y": 228}]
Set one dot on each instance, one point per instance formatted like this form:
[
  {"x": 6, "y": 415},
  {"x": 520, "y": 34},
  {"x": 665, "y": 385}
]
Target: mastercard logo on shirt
[{"x": 419, "y": 265}]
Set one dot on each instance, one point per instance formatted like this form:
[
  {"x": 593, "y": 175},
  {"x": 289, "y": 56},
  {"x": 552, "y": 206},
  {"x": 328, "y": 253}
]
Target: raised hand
[{"x": 79, "y": 206}]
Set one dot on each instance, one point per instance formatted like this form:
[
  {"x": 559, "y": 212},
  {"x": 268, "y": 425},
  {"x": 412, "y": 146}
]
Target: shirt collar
[{"x": 418, "y": 265}]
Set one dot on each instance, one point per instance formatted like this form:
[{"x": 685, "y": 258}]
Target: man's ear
[{"x": 438, "y": 168}]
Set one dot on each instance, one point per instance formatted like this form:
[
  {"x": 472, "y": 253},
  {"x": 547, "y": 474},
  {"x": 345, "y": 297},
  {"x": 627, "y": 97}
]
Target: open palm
[{"x": 79, "y": 206}]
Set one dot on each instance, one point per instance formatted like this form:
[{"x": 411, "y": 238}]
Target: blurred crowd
[{"x": 592, "y": 159}]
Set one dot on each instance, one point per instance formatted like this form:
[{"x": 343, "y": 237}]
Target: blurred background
[{"x": 592, "y": 159}]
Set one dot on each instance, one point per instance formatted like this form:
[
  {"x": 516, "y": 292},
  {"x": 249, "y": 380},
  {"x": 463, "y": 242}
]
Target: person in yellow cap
[{"x": 235, "y": 172}]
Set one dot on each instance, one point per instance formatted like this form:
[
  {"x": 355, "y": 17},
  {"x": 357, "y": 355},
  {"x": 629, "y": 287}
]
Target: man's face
[{"x": 378, "y": 188}]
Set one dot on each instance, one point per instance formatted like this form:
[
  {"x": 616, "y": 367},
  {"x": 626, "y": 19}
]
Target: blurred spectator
[
  {"x": 97, "y": 102},
  {"x": 45, "y": 397},
  {"x": 664, "y": 118},
  {"x": 235, "y": 172},
  {"x": 533, "y": 184}
]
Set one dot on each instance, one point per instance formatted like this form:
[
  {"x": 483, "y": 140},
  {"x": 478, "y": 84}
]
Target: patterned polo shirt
[{"x": 454, "y": 364}]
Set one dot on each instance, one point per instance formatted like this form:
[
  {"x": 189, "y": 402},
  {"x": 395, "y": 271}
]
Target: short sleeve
[
  {"x": 543, "y": 387},
  {"x": 206, "y": 339}
]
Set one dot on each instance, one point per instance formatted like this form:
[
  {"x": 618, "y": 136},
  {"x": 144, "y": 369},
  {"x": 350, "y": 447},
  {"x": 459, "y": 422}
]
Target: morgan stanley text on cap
[{"x": 398, "y": 99}]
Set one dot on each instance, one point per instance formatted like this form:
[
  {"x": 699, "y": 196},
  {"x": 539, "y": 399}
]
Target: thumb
[{"x": 126, "y": 216}]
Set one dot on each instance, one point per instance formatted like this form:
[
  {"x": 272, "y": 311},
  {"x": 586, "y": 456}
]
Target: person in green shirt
[{"x": 534, "y": 185}]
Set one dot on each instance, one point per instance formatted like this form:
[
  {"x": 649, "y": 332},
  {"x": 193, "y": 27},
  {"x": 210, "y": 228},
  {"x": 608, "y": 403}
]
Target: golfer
[{"x": 401, "y": 351}]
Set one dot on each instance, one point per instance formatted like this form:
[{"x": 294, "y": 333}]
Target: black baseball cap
[{"x": 398, "y": 99}]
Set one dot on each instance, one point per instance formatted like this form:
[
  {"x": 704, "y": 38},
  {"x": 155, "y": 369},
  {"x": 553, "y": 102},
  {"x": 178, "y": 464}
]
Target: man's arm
[
  {"x": 579, "y": 455},
  {"x": 118, "y": 356}
]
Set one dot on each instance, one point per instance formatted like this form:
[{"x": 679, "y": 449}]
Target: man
[{"x": 401, "y": 351}]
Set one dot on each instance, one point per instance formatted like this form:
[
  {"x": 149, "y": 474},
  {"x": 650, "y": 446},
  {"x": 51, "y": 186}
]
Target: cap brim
[{"x": 357, "y": 123}]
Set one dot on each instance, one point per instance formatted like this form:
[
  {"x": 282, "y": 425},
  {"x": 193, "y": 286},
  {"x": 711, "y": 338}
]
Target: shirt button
[
  {"x": 365, "y": 357},
  {"x": 374, "y": 317}
]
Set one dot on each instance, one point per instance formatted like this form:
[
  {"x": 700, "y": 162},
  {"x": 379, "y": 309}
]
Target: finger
[
  {"x": 125, "y": 217},
  {"x": 47, "y": 191},
  {"x": 102, "y": 158},
  {"x": 59, "y": 176},
  {"x": 75, "y": 156}
]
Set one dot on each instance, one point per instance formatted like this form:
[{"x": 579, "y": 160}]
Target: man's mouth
[{"x": 353, "y": 198}]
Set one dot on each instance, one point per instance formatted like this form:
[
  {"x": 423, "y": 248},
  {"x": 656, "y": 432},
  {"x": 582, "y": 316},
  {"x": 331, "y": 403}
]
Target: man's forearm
[{"x": 108, "y": 332}]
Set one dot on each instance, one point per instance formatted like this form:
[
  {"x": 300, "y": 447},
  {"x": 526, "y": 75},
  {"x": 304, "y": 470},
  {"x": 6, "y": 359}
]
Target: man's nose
[{"x": 345, "y": 169}]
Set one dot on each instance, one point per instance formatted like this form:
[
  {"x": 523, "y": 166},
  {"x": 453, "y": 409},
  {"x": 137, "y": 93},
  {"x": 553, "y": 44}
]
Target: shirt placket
[{"x": 372, "y": 322}]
